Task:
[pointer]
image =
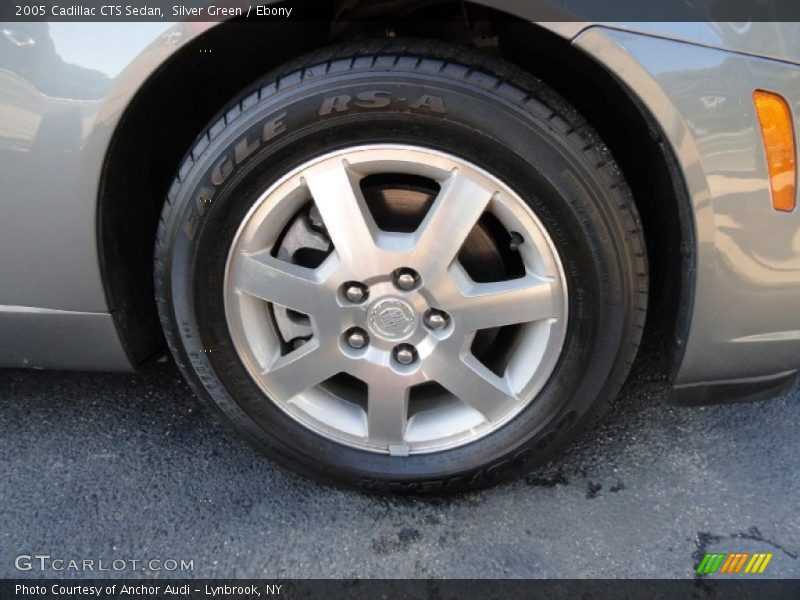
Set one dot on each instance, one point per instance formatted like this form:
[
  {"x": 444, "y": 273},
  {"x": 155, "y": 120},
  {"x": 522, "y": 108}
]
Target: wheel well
[
  {"x": 180, "y": 99},
  {"x": 650, "y": 168}
]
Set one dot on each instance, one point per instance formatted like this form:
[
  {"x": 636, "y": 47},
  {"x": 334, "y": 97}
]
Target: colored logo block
[{"x": 734, "y": 563}]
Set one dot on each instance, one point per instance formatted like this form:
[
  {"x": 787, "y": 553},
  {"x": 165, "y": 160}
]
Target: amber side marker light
[{"x": 777, "y": 132}]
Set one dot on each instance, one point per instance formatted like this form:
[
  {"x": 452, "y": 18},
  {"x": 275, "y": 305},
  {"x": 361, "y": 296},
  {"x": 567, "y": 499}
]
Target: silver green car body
[{"x": 695, "y": 79}]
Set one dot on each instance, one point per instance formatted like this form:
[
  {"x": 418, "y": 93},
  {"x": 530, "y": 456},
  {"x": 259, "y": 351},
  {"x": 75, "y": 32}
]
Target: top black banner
[{"x": 304, "y": 10}]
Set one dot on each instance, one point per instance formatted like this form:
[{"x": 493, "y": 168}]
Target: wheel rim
[{"x": 394, "y": 315}]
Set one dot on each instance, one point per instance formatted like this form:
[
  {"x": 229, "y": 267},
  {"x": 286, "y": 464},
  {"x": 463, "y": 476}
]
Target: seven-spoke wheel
[{"x": 405, "y": 304}]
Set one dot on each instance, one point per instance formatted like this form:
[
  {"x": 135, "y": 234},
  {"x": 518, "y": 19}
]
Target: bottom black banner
[{"x": 387, "y": 589}]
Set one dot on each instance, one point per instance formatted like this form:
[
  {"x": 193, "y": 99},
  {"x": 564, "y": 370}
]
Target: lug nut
[
  {"x": 436, "y": 319},
  {"x": 405, "y": 354},
  {"x": 406, "y": 279},
  {"x": 357, "y": 338},
  {"x": 355, "y": 292}
]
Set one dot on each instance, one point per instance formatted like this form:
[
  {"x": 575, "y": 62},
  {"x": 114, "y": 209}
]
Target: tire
[{"x": 444, "y": 99}]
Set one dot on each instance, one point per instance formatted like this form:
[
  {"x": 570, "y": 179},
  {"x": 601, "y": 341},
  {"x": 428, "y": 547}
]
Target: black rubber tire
[{"x": 434, "y": 95}]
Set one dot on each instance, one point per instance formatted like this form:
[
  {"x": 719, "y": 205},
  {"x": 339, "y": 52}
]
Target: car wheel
[{"x": 402, "y": 266}]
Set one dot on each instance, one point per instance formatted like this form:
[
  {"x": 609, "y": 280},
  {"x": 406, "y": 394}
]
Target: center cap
[{"x": 392, "y": 318}]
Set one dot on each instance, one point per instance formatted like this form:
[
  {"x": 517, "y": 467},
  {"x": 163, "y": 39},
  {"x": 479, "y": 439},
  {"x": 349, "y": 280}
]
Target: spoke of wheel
[
  {"x": 470, "y": 381},
  {"x": 387, "y": 410},
  {"x": 341, "y": 205},
  {"x": 454, "y": 213},
  {"x": 274, "y": 280},
  {"x": 309, "y": 365},
  {"x": 512, "y": 302}
]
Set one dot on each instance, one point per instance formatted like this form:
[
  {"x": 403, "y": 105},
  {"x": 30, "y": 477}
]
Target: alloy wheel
[{"x": 383, "y": 338}]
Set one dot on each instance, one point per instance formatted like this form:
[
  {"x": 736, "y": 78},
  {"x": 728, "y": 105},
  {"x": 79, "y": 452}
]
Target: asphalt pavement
[{"x": 133, "y": 467}]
